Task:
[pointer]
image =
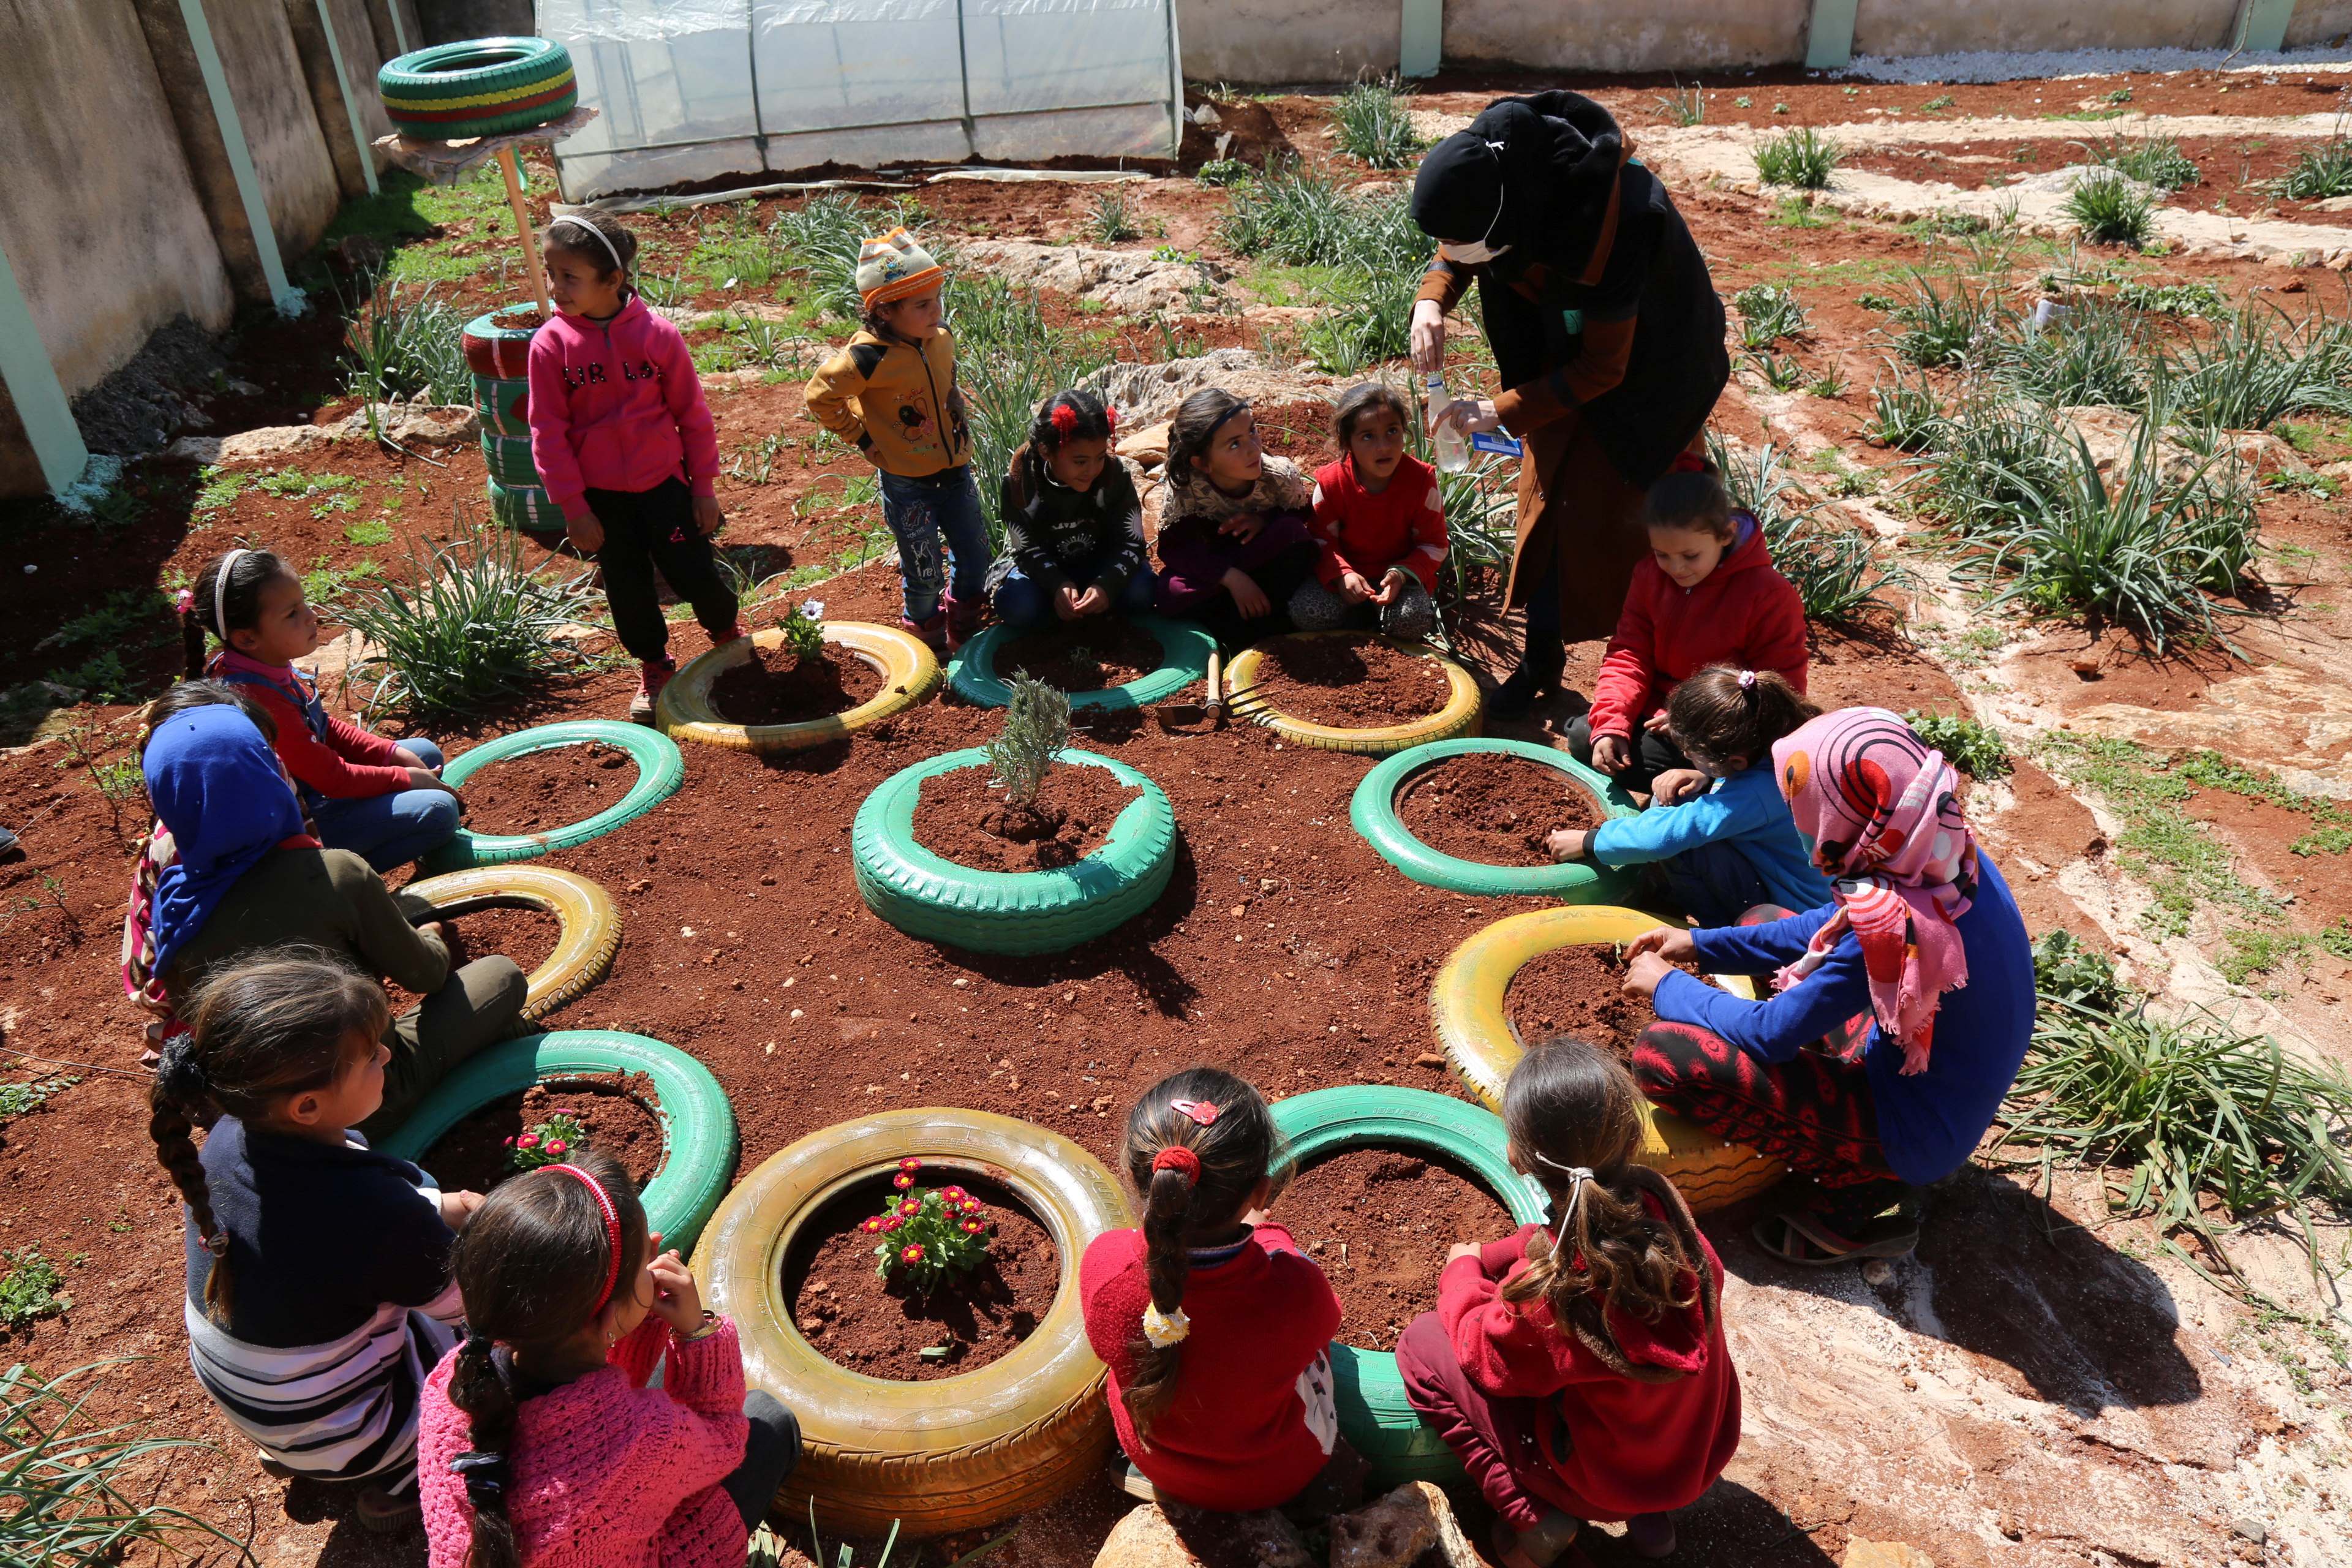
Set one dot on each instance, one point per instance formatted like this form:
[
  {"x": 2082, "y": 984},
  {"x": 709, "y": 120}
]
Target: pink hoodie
[{"x": 615, "y": 406}]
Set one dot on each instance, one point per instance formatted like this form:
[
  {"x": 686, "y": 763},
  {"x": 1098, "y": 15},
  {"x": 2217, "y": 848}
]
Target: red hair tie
[
  {"x": 612, "y": 1231},
  {"x": 1066, "y": 418},
  {"x": 1111, "y": 420},
  {"x": 1687, "y": 463},
  {"x": 1176, "y": 1157}
]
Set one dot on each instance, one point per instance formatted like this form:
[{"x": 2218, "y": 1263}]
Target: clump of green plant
[
  {"x": 1782, "y": 373},
  {"x": 1367, "y": 318},
  {"x": 1036, "y": 729},
  {"x": 1684, "y": 105},
  {"x": 406, "y": 348},
  {"x": 803, "y": 629},
  {"x": 546, "y": 1143},
  {"x": 2066, "y": 970},
  {"x": 1768, "y": 313},
  {"x": 2258, "y": 365},
  {"x": 1801, "y": 157},
  {"x": 928, "y": 1235},
  {"x": 1837, "y": 573},
  {"x": 1970, "y": 745},
  {"x": 1373, "y": 124},
  {"x": 819, "y": 239},
  {"x": 1949, "y": 324},
  {"x": 1223, "y": 172},
  {"x": 2107, "y": 209},
  {"x": 467, "y": 624},
  {"x": 2322, "y": 172},
  {"x": 1111, "y": 221},
  {"x": 2096, "y": 353},
  {"x": 2154, "y": 161},
  {"x": 1302, "y": 218},
  {"x": 216, "y": 488},
  {"x": 1905, "y": 413},
  {"x": 2193, "y": 296},
  {"x": 23, "y": 1099},
  {"x": 1010, "y": 358},
  {"x": 1940, "y": 101},
  {"x": 120, "y": 784},
  {"x": 31, "y": 1287}
]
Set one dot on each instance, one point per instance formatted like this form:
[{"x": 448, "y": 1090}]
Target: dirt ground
[{"x": 2040, "y": 1385}]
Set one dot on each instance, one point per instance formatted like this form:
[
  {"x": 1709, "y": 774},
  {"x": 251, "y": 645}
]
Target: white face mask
[{"x": 1471, "y": 253}]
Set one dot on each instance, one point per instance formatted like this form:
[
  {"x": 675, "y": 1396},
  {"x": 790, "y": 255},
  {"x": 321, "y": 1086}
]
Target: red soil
[
  {"x": 616, "y": 1108},
  {"x": 772, "y": 686},
  {"x": 959, "y": 816},
  {"x": 1579, "y": 991},
  {"x": 1353, "y": 681},
  {"x": 1379, "y": 1221},
  {"x": 1493, "y": 807},
  {"x": 541, "y": 791},
  {"x": 1091, "y": 655}
]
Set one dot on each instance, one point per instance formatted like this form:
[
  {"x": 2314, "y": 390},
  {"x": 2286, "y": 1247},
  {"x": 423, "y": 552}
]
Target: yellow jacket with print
[{"x": 897, "y": 401}]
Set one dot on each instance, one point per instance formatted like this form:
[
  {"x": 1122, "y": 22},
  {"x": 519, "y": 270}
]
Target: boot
[
  {"x": 652, "y": 676},
  {"x": 1537, "y": 675},
  {"x": 963, "y": 624},
  {"x": 933, "y": 631}
]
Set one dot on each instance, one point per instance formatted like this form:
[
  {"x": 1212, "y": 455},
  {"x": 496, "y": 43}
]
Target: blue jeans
[
  {"x": 919, "y": 513},
  {"x": 389, "y": 830},
  {"x": 1021, "y": 601}
]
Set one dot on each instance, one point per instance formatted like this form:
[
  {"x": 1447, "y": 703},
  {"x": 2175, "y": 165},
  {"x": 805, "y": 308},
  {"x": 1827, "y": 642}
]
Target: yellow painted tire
[
  {"x": 1458, "y": 717},
  {"x": 959, "y": 1452},
  {"x": 911, "y": 674},
  {"x": 1475, "y": 1033},
  {"x": 591, "y": 922}
]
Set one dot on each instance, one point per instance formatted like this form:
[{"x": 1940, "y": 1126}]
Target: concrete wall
[
  {"x": 2319, "y": 22},
  {"x": 281, "y": 124},
  {"x": 1611, "y": 34},
  {"x": 1299, "y": 40},
  {"x": 1910, "y": 27}
]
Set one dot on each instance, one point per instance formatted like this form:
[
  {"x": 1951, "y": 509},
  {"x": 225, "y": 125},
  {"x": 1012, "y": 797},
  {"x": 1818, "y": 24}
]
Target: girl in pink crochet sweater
[{"x": 539, "y": 1444}]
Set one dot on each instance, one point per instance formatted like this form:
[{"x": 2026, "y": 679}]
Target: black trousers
[
  {"x": 1653, "y": 752},
  {"x": 649, "y": 531}
]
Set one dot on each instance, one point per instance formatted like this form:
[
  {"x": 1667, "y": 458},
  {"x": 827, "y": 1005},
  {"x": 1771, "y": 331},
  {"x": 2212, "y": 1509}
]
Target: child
[
  {"x": 1073, "y": 526},
  {"x": 892, "y": 392},
  {"x": 1380, "y": 521},
  {"x": 1233, "y": 540},
  {"x": 317, "y": 1270},
  {"x": 540, "y": 1441},
  {"x": 1707, "y": 594},
  {"x": 1721, "y": 830},
  {"x": 626, "y": 446},
  {"x": 382, "y": 800},
  {"x": 1214, "y": 1326},
  {"x": 1580, "y": 1372}
]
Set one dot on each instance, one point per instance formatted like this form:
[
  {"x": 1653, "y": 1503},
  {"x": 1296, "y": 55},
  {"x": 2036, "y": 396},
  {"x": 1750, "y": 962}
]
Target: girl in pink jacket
[
  {"x": 539, "y": 1445},
  {"x": 626, "y": 446}
]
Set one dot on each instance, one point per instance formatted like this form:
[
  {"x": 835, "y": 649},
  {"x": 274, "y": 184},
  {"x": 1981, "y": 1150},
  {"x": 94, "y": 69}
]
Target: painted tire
[
  {"x": 591, "y": 922},
  {"x": 497, "y": 349},
  {"x": 482, "y": 86},
  {"x": 504, "y": 406},
  {"x": 661, "y": 770},
  {"x": 945, "y": 1456},
  {"x": 508, "y": 457},
  {"x": 697, "y": 1124},
  {"x": 1373, "y": 812},
  {"x": 526, "y": 509},
  {"x": 911, "y": 674},
  {"x": 1466, "y": 1007},
  {"x": 935, "y": 900},
  {"x": 1459, "y": 715},
  {"x": 1374, "y": 1415},
  {"x": 1184, "y": 650}
]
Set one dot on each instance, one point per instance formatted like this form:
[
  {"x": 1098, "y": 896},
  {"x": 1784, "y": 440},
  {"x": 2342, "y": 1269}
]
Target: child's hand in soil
[
  {"x": 587, "y": 535},
  {"x": 1643, "y": 973},
  {"x": 456, "y": 1208},
  {"x": 1669, "y": 943},
  {"x": 1676, "y": 785},
  {"x": 676, "y": 1300},
  {"x": 1568, "y": 843},
  {"x": 1242, "y": 527},
  {"x": 1249, "y": 597},
  {"x": 1610, "y": 754},
  {"x": 707, "y": 515}
]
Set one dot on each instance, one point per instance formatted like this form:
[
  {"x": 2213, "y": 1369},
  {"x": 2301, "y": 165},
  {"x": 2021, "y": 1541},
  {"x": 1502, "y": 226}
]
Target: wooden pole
[{"x": 522, "y": 226}]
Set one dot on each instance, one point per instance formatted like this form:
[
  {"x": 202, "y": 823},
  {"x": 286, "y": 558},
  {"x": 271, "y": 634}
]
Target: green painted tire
[
  {"x": 661, "y": 770},
  {"x": 698, "y": 1123},
  {"x": 497, "y": 343},
  {"x": 1184, "y": 650},
  {"x": 1374, "y": 1415},
  {"x": 935, "y": 900},
  {"x": 525, "y": 508},
  {"x": 482, "y": 87},
  {"x": 1372, "y": 810},
  {"x": 508, "y": 457},
  {"x": 504, "y": 404}
]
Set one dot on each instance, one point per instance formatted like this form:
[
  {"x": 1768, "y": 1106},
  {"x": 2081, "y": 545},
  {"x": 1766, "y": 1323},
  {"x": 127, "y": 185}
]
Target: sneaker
[
  {"x": 733, "y": 633},
  {"x": 933, "y": 631},
  {"x": 651, "y": 677},
  {"x": 383, "y": 1513}
]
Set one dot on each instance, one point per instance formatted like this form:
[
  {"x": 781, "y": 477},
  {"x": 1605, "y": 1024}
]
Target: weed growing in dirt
[
  {"x": 127, "y": 618},
  {"x": 1223, "y": 172},
  {"x": 1799, "y": 212},
  {"x": 2109, "y": 209},
  {"x": 405, "y": 347},
  {"x": 1949, "y": 324},
  {"x": 1768, "y": 313},
  {"x": 467, "y": 624},
  {"x": 1110, "y": 221},
  {"x": 1829, "y": 381},
  {"x": 2253, "y": 952},
  {"x": 1684, "y": 106},
  {"x": 120, "y": 784},
  {"x": 1803, "y": 157},
  {"x": 2155, "y": 161},
  {"x": 2065, "y": 969},
  {"x": 1782, "y": 373},
  {"x": 293, "y": 483},
  {"x": 31, "y": 1288},
  {"x": 1367, "y": 318},
  {"x": 734, "y": 253},
  {"x": 217, "y": 489},
  {"x": 2196, "y": 297},
  {"x": 24, "y": 1098},
  {"x": 369, "y": 534},
  {"x": 1305, "y": 219},
  {"x": 2322, "y": 172},
  {"x": 1036, "y": 729},
  {"x": 1941, "y": 101},
  {"x": 1374, "y": 125},
  {"x": 1009, "y": 359},
  {"x": 1970, "y": 745},
  {"x": 2258, "y": 365},
  {"x": 2096, "y": 353},
  {"x": 101, "y": 678},
  {"x": 1905, "y": 413}
]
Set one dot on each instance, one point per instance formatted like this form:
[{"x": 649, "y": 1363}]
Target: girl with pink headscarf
[{"x": 1899, "y": 1013}]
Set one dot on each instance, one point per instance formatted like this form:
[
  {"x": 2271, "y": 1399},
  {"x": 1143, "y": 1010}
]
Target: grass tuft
[
  {"x": 1768, "y": 313},
  {"x": 1970, "y": 745},
  {"x": 1803, "y": 158},
  {"x": 1374, "y": 125},
  {"x": 2107, "y": 209},
  {"x": 2322, "y": 172}
]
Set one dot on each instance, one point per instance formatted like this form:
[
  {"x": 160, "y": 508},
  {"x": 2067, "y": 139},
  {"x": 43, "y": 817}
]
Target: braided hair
[
  {"x": 1198, "y": 1143},
  {"x": 220, "y": 609},
  {"x": 1074, "y": 414},
  {"x": 259, "y": 1033},
  {"x": 530, "y": 1266}
]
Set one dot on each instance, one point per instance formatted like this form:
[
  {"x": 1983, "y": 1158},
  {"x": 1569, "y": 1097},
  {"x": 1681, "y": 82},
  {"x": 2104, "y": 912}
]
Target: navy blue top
[
  {"x": 1744, "y": 809},
  {"x": 1929, "y": 1123}
]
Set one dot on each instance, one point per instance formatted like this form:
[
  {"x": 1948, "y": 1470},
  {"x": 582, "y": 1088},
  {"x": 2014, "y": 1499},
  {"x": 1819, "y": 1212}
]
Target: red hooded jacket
[
  {"x": 1742, "y": 613},
  {"x": 1634, "y": 1447},
  {"x": 615, "y": 406}
]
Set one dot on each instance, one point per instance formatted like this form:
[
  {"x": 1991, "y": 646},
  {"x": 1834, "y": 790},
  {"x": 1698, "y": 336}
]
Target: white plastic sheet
[{"x": 701, "y": 89}]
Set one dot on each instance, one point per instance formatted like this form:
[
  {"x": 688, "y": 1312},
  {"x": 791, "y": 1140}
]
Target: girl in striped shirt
[{"x": 318, "y": 1288}]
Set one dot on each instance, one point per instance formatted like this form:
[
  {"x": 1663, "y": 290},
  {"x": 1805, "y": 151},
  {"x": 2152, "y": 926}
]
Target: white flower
[{"x": 812, "y": 608}]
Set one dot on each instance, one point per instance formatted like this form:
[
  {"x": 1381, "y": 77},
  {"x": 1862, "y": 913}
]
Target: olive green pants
[{"x": 475, "y": 1008}]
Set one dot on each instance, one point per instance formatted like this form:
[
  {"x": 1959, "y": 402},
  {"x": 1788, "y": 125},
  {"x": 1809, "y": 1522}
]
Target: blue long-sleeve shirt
[
  {"x": 1743, "y": 808},
  {"x": 1928, "y": 1123}
]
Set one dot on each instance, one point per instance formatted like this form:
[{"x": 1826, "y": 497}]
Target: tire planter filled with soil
[
  {"x": 951, "y": 1454},
  {"x": 616, "y": 1109},
  {"x": 691, "y": 707},
  {"x": 697, "y": 1124},
  {"x": 1379, "y": 1222},
  {"x": 938, "y": 899},
  {"x": 497, "y": 345},
  {"x": 1374, "y": 1415},
  {"x": 659, "y": 770},
  {"x": 978, "y": 673},
  {"x": 1462, "y": 809},
  {"x": 1469, "y": 1006},
  {"x": 1353, "y": 691},
  {"x": 588, "y": 923}
]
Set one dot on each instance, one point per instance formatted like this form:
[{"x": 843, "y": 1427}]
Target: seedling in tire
[
  {"x": 804, "y": 629},
  {"x": 1036, "y": 727},
  {"x": 549, "y": 1143},
  {"x": 926, "y": 1234}
]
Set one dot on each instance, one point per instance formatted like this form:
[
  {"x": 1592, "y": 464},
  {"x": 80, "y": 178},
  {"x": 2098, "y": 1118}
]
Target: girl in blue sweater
[
  {"x": 1923, "y": 945},
  {"x": 1718, "y": 829}
]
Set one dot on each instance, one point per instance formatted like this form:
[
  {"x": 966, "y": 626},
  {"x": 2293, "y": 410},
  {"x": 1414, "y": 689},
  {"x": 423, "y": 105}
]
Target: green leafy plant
[
  {"x": 1941, "y": 101},
  {"x": 23, "y": 1099},
  {"x": 120, "y": 784},
  {"x": 2155, "y": 161},
  {"x": 1684, "y": 106},
  {"x": 734, "y": 254},
  {"x": 1905, "y": 413},
  {"x": 1303, "y": 218},
  {"x": 1036, "y": 729},
  {"x": 406, "y": 346},
  {"x": 1801, "y": 157},
  {"x": 1368, "y": 319},
  {"x": 31, "y": 1287},
  {"x": 2321, "y": 173},
  {"x": 803, "y": 629},
  {"x": 820, "y": 241},
  {"x": 1947, "y": 324},
  {"x": 1970, "y": 745},
  {"x": 1829, "y": 381},
  {"x": 292, "y": 484},
  {"x": 1837, "y": 573},
  {"x": 1223, "y": 172},
  {"x": 1110, "y": 221},
  {"x": 1768, "y": 313},
  {"x": 2096, "y": 353},
  {"x": 2107, "y": 209},
  {"x": 2258, "y": 365},
  {"x": 547, "y": 1142},
  {"x": 2193, "y": 297},
  {"x": 928, "y": 1235},
  {"x": 1782, "y": 373},
  {"x": 1373, "y": 124},
  {"x": 217, "y": 489},
  {"x": 2065, "y": 970}
]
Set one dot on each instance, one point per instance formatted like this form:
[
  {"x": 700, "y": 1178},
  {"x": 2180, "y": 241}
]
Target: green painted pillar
[
  {"x": 1830, "y": 44},
  {"x": 283, "y": 294},
  {"x": 33, "y": 387},
  {"x": 351, "y": 104},
  {"x": 1422, "y": 40},
  {"x": 2264, "y": 27}
]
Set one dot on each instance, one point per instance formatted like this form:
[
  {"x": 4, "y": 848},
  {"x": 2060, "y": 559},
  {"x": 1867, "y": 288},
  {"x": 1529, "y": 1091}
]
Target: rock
[
  {"x": 2250, "y": 1529},
  {"x": 1206, "y": 114},
  {"x": 1398, "y": 1529},
  {"x": 1144, "y": 394},
  {"x": 409, "y": 424},
  {"x": 1134, "y": 282},
  {"x": 2110, "y": 433},
  {"x": 1148, "y": 1537},
  {"x": 1862, "y": 1554}
]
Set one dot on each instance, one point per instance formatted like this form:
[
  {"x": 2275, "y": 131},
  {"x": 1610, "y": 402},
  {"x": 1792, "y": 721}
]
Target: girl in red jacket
[
  {"x": 1215, "y": 1327},
  {"x": 1380, "y": 522},
  {"x": 1707, "y": 594},
  {"x": 382, "y": 800},
  {"x": 626, "y": 446},
  {"x": 1580, "y": 1373}
]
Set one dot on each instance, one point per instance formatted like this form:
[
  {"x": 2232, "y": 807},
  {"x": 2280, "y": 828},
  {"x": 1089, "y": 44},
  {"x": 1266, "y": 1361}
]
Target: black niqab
[{"x": 1533, "y": 174}]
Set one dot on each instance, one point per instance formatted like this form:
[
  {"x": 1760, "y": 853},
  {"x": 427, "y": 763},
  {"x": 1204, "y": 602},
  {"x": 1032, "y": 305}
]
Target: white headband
[
  {"x": 220, "y": 593},
  {"x": 601, "y": 238},
  {"x": 1577, "y": 1176}
]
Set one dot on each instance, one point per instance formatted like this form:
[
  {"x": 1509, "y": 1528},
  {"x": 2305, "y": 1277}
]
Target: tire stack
[
  {"x": 498, "y": 349},
  {"x": 482, "y": 87}
]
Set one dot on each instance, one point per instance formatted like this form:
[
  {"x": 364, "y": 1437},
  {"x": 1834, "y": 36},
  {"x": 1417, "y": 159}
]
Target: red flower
[
  {"x": 510, "y": 1144},
  {"x": 527, "y": 1141},
  {"x": 913, "y": 1253},
  {"x": 953, "y": 1195},
  {"x": 973, "y": 1228},
  {"x": 903, "y": 1180},
  {"x": 911, "y": 1164},
  {"x": 910, "y": 1205},
  {"x": 872, "y": 1226},
  {"x": 890, "y": 1221},
  {"x": 556, "y": 1145}
]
